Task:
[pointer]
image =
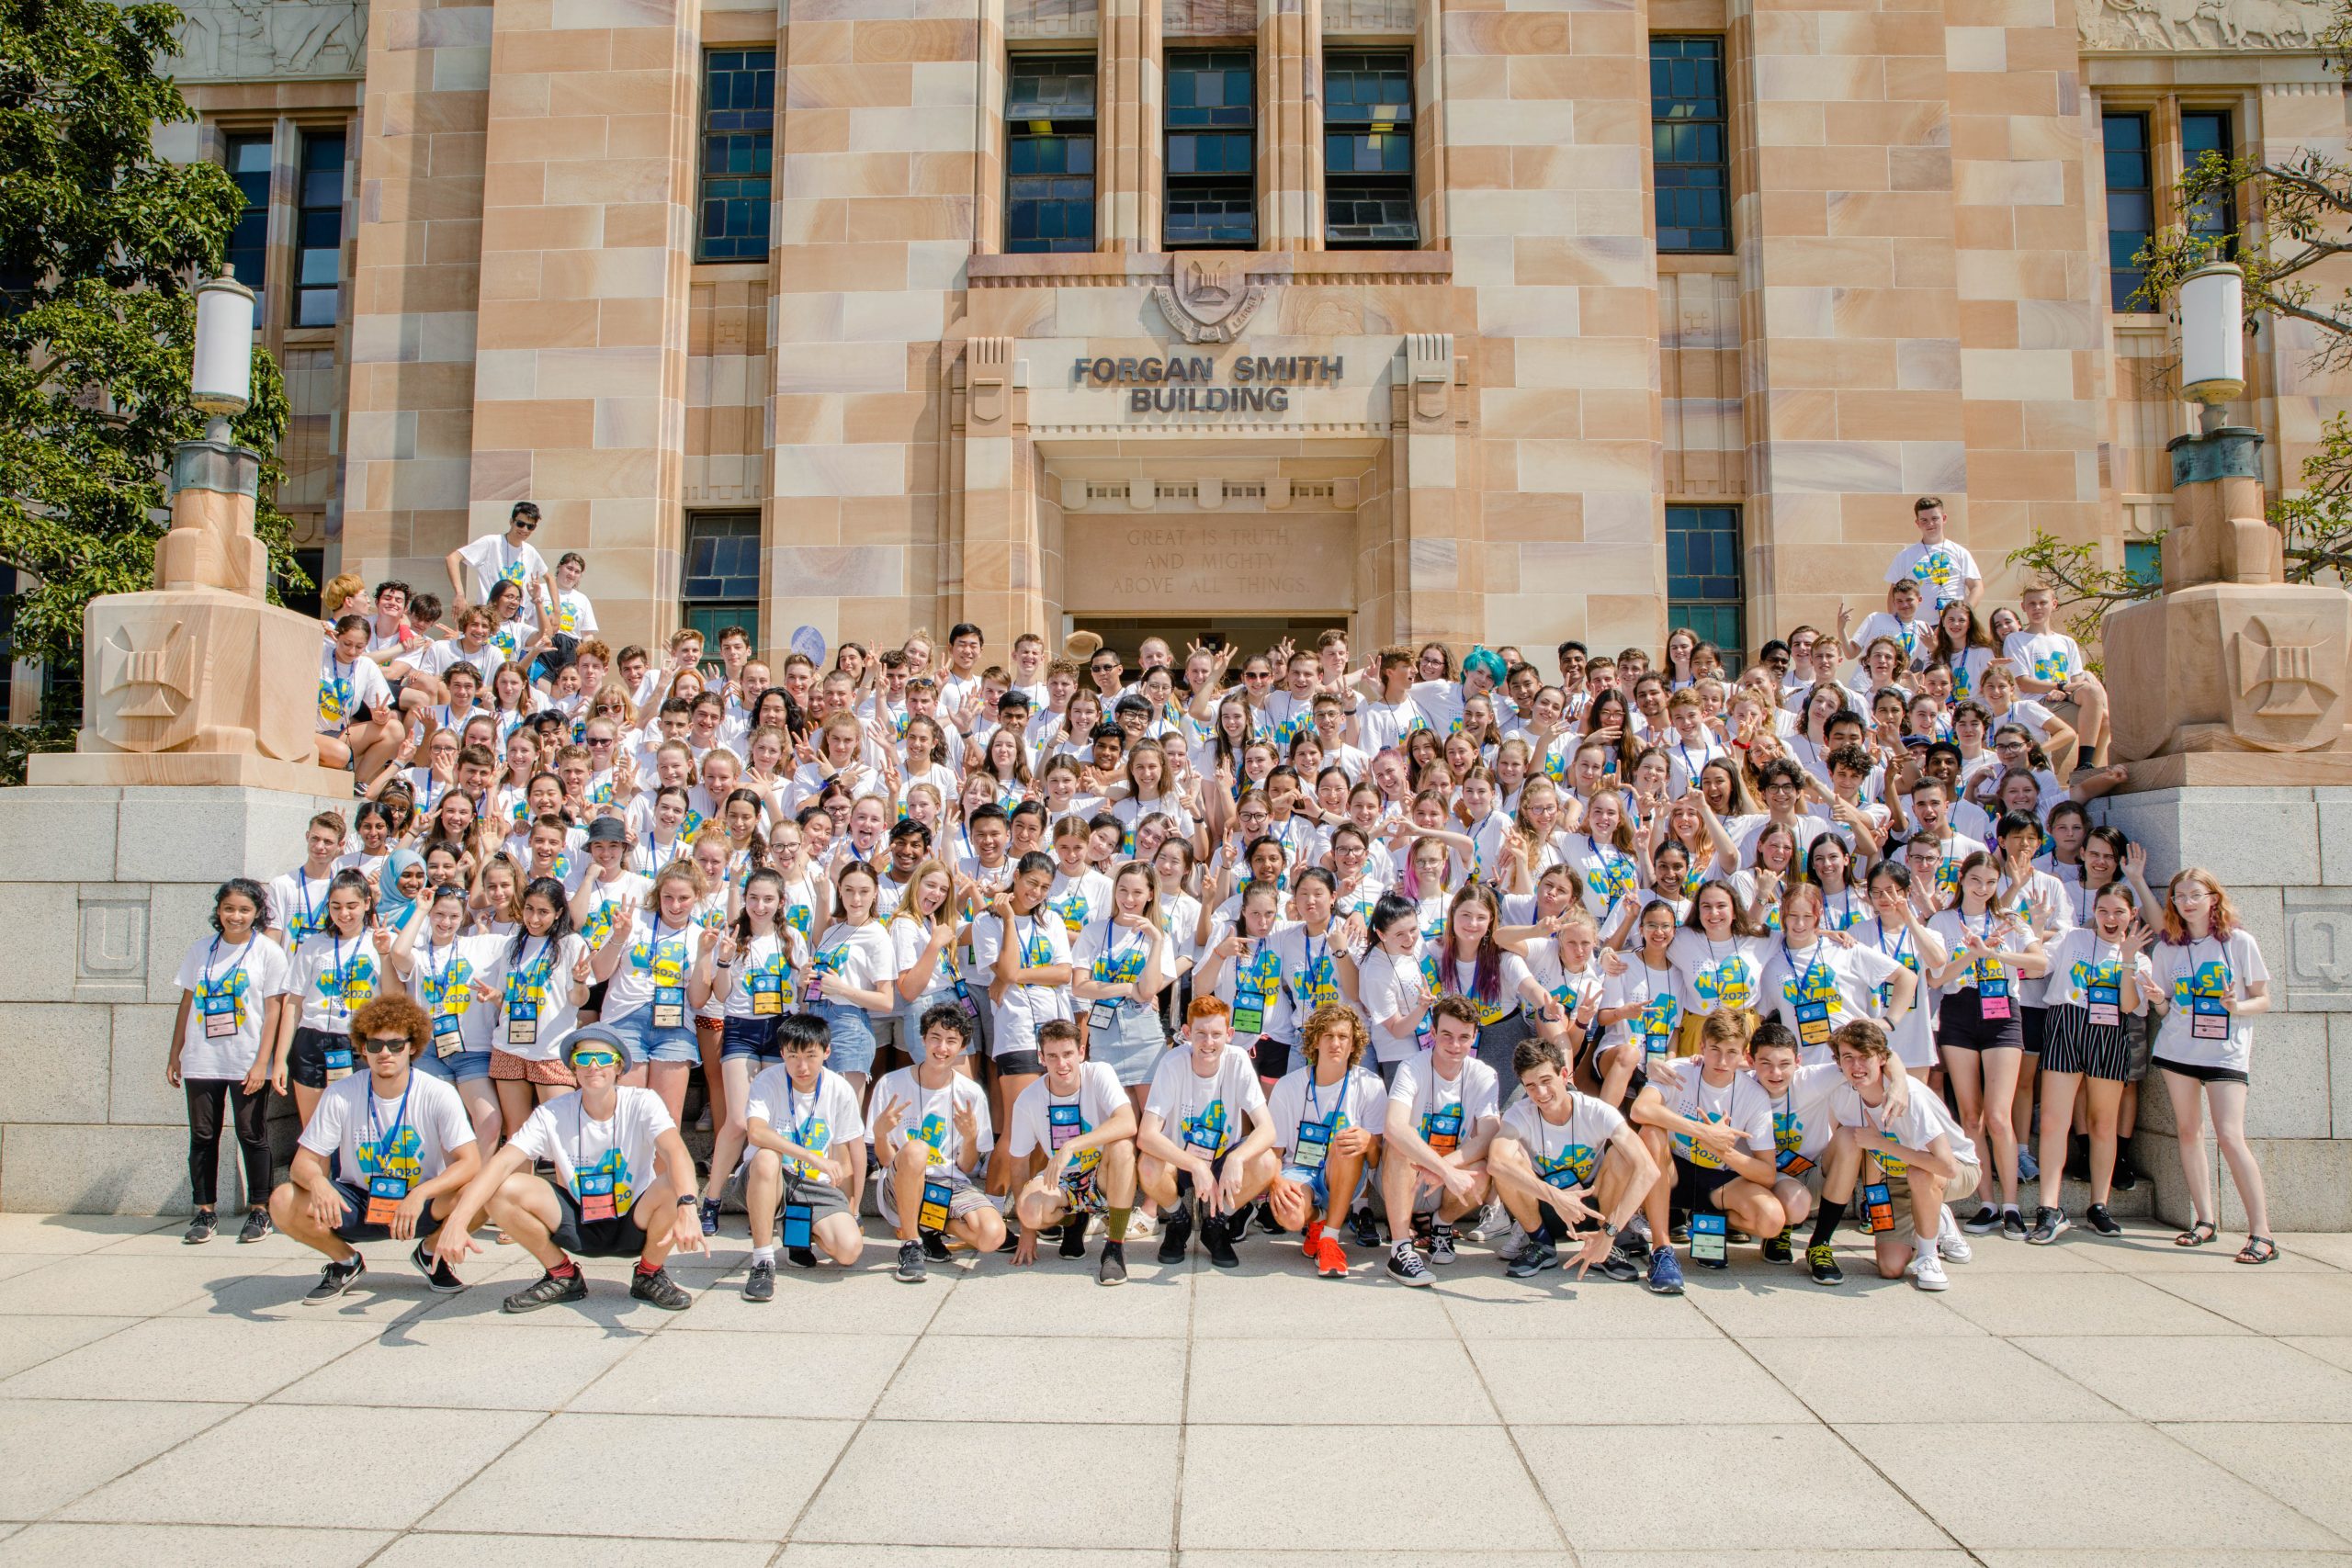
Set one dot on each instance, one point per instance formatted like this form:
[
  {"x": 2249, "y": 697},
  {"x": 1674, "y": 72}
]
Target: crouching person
[
  {"x": 1073, "y": 1150},
  {"x": 806, "y": 1141},
  {"x": 1906, "y": 1140},
  {"x": 1567, "y": 1166}
]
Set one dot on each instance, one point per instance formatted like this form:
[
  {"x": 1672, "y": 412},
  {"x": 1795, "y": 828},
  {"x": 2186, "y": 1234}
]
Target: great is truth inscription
[{"x": 1252, "y": 563}]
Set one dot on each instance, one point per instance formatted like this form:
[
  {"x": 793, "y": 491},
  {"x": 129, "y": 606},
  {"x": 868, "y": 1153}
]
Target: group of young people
[{"x": 1626, "y": 963}]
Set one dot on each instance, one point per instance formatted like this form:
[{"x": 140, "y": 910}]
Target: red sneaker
[
  {"x": 1329, "y": 1261},
  {"x": 1313, "y": 1238}
]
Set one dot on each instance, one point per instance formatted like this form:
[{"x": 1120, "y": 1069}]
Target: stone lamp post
[
  {"x": 2232, "y": 674},
  {"x": 202, "y": 681}
]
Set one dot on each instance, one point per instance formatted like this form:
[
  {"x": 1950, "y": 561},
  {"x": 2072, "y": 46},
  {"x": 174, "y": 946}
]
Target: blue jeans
[
  {"x": 462, "y": 1067},
  {"x": 853, "y": 1035},
  {"x": 646, "y": 1044}
]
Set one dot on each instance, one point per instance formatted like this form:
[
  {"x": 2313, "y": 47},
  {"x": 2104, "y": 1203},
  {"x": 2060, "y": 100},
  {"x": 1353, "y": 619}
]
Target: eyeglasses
[
  {"x": 387, "y": 1044},
  {"x": 527, "y": 525},
  {"x": 594, "y": 1059},
  {"x": 600, "y": 740}
]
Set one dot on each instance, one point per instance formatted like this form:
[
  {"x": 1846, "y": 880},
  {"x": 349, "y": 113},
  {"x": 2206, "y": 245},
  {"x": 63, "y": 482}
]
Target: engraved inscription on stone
[
  {"x": 2319, "y": 948},
  {"x": 113, "y": 938}
]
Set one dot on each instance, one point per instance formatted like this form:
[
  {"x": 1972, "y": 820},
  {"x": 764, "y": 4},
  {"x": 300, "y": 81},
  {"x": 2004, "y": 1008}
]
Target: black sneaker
[
  {"x": 658, "y": 1289},
  {"x": 759, "y": 1285},
  {"x": 1112, "y": 1270},
  {"x": 1012, "y": 1241},
  {"x": 1266, "y": 1221},
  {"x": 1365, "y": 1229},
  {"x": 1778, "y": 1248},
  {"x": 1074, "y": 1236},
  {"x": 1175, "y": 1233},
  {"x": 2100, "y": 1220},
  {"x": 801, "y": 1256},
  {"x": 934, "y": 1246},
  {"x": 1822, "y": 1260},
  {"x": 910, "y": 1264},
  {"x": 2127, "y": 1175},
  {"x": 550, "y": 1290},
  {"x": 1406, "y": 1265},
  {"x": 1986, "y": 1218},
  {"x": 1679, "y": 1234},
  {"x": 258, "y": 1226},
  {"x": 1533, "y": 1259},
  {"x": 337, "y": 1278},
  {"x": 2012, "y": 1225},
  {"x": 1442, "y": 1243},
  {"x": 1217, "y": 1238},
  {"x": 709, "y": 1213},
  {"x": 1634, "y": 1241},
  {"x": 437, "y": 1274},
  {"x": 2048, "y": 1224},
  {"x": 201, "y": 1227},
  {"x": 1619, "y": 1266}
]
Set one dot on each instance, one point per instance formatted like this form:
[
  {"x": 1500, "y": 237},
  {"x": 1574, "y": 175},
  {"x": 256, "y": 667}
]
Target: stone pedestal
[
  {"x": 101, "y": 891},
  {"x": 2285, "y": 854}
]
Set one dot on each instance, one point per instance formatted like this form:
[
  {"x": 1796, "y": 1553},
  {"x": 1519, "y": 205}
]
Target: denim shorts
[
  {"x": 752, "y": 1037},
  {"x": 462, "y": 1067},
  {"x": 853, "y": 1035},
  {"x": 910, "y": 1020},
  {"x": 1131, "y": 1046},
  {"x": 646, "y": 1044}
]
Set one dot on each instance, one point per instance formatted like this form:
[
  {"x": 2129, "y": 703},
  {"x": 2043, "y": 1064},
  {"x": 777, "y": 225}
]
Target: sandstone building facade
[{"x": 1501, "y": 320}]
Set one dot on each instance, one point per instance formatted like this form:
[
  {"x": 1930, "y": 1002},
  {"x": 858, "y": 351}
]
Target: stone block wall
[{"x": 103, "y": 890}]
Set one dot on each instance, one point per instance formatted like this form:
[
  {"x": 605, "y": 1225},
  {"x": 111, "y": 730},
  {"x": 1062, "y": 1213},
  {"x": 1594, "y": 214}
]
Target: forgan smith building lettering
[
  {"x": 1502, "y": 322},
  {"x": 1179, "y": 383}
]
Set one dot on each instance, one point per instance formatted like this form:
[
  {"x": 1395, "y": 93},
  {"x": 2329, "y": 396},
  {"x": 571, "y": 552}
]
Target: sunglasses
[
  {"x": 526, "y": 523},
  {"x": 387, "y": 1044},
  {"x": 595, "y": 1059},
  {"x": 595, "y": 740}
]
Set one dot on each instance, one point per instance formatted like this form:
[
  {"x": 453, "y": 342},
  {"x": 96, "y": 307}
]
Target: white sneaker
[
  {"x": 1927, "y": 1273},
  {"x": 1511, "y": 1243},
  {"x": 1141, "y": 1225},
  {"x": 1951, "y": 1241}
]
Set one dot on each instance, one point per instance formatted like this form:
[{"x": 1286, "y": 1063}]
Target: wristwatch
[
  {"x": 1607, "y": 1230},
  {"x": 687, "y": 1202}
]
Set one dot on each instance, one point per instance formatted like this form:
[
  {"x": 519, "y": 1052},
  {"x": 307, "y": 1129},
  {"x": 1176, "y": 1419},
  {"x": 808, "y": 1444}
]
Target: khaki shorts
[{"x": 1964, "y": 1182}]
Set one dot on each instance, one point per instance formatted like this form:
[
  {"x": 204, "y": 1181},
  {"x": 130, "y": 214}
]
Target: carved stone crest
[
  {"x": 2287, "y": 673},
  {"x": 147, "y": 674},
  {"x": 1209, "y": 298}
]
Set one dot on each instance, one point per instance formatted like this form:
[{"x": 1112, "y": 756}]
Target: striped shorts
[{"x": 2072, "y": 1044}]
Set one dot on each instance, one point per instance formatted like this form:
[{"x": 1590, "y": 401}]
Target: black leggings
[{"x": 204, "y": 1096}]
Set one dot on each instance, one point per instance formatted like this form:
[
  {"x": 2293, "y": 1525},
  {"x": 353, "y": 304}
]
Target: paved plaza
[{"x": 2090, "y": 1403}]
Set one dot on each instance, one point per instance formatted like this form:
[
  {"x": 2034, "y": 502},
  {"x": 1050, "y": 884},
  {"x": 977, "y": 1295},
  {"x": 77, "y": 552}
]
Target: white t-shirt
[
  {"x": 2081, "y": 959},
  {"x": 441, "y": 978},
  {"x": 1913, "y": 1040},
  {"x": 1079, "y": 900},
  {"x": 861, "y": 955},
  {"x": 627, "y": 891},
  {"x": 1445, "y": 977},
  {"x": 1044, "y": 943},
  {"x": 1252, "y": 984},
  {"x": 620, "y": 1148},
  {"x": 658, "y": 958},
  {"x": 1204, "y": 1114},
  {"x": 1310, "y": 968},
  {"x": 1716, "y": 976},
  {"x": 227, "y": 984},
  {"x": 1916, "y": 637},
  {"x": 375, "y": 1137},
  {"x": 1564, "y": 1154},
  {"x": 1952, "y": 928},
  {"x": 1446, "y": 1111},
  {"x": 1802, "y": 1123},
  {"x": 1943, "y": 571},
  {"x": 929, "y": 1119},
  {"x": 1922, "y": 1120},
  {"x": 541, "y": 981},
  {"x": 1742, "y": 1102},
  {"x": 764, "y": 973},
  {"x": 348, "y": 690},
  {"x": 297, "y": 903},
  {"x": 1392, "y": 987},
  {"x": 2045, "y": 656},
  {"x": 819, "y": 1121},
  {"x": 1842, "y": 982},
  {"x": 574, "y": 615},
  {"x": 495, "y": 561},
  {"x": 334, "y": 977},
  {"x": 1043, "y": 1119},
  {"x": 2209, "y": 972},
  {"x": 1358, "y": 1101},
  {"x": 1110, "y": 954}
]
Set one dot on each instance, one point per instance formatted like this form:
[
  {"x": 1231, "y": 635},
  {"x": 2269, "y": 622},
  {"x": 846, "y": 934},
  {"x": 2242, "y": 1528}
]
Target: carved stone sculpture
[{"x": 2142, "y": 25}]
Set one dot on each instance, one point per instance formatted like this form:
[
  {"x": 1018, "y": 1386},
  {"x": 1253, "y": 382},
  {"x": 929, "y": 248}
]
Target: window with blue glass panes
[
  {"x": 720, "y": 585},
  {"x": 1049, "y": 153},
  {"x": 738, "y": 152},
  {"x": 1690, "y": 145},
  {"x": 1703, "y": 581},
  {"x": 1210, "y": 112},
  {"x": 1368, "y": 151}
]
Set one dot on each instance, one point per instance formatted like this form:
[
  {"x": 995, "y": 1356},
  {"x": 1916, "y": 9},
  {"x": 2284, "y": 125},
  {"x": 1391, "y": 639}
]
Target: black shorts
[
  {"x": 1963, "y": 1026},
  {"x": 307, "y": 1063},
  {"x": 1272, "y": 1055},
  {"x": 1017, "y": 1064},
  {"x": 595, "y": 1002},
  {"x": 1698, "y": 1189},
  {"x": 2033, "y": 1025},
  {"x": 1556, "y": 1230},
  {"x": 621, "y": 1236},
  {"x": 354, "y": 1227},
  {"x": 2198, "y": 1071},
  {"x": 2073, "y": 1044}
]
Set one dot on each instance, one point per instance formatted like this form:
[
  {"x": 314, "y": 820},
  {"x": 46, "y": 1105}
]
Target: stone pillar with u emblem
[{"x": 201, "y": 680}]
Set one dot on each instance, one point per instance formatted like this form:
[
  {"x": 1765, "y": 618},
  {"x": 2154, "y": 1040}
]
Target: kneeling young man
[
  {"x": 1442, "y": 1112},
  {"x": 1912, "y": 1139},
  {"x": 1711, "y": 1118},
  {"x": 1073, "y": 1150},
  {"x": 1186, "y": 1144},
  {"x": 930, "y": 1134},
  {"x": 1802, "y": 1124},
  {"x": 407, "y": 1137},
  {"x": 624, "y": 1185},
  {"x": 1567, "y": 1165},
  {"x": 806, "y": 1142},
  {"x": 1327, "y": 1116}
]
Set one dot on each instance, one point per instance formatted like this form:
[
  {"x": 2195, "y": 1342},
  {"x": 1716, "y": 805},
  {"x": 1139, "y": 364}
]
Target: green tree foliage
[{"x": 100, "y": 243}]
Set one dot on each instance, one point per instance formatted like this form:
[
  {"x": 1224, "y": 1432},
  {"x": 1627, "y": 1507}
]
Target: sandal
[
  {"x": 2257, "y": 1249},
  {"x": 2198, "y": 1235}
]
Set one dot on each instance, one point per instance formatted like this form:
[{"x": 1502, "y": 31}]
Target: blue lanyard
[
  {"x": 1312, "y": 963},
  {"x": 800, "y": 1124},
  {"x": 654, "y": 944},
  {"x": 1112, "y": 949},
  {"x": 1895, "y": 952},
  {"x": 1315, "y": 1101},
  {"x": 375, "y": 1140},
  {"x": 1813, "y": 964},
  {"x": 342, "y": 976},
  {"x": 440, "y": 977},
  {"x": 309, "y": 906},
  {"x": 213, "y": 980}
]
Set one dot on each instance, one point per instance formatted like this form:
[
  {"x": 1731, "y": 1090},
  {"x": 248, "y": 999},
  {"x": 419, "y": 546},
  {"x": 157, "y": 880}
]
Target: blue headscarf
[{"x": 391, "y": 906}]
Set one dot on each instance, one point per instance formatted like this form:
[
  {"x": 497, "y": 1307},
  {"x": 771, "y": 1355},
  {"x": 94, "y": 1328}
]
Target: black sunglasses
[{"x": 387, "y": 1044}]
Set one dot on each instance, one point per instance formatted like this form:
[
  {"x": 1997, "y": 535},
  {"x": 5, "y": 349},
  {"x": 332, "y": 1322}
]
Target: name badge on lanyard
[
  {"x": 962, "y": 999},
  {"x": 1103, "y": 1014},
  {"x": 522, "y": 1021},
  {"x": 767, "y": 996},
  {"x": 595, "y": 1192},
  {"x": 933, "y": 1214},
  {"x": 1813, "y": 1023},
  {"x": 1445, "y": 1132},
  {"x": 446, "y": 1039},
  {"x": 1710, "y": 1238},
  {"x": 220, "y": 1009},
  {"x": 384, "y": 1195},
  {"x": 798, "y": 1225},
  {"x": 1791, "y": 1163},
  {"x": 1992, "y": 998},
  {"x": 2105, "y": 1006},
  {"x": 1879, "y": 1204},
  {"x": 2209, "y": 1018},
  {"x": 1062, "y": 1124},
  {"x": 339, "y": 1059},
  {"x": 669, "y": 1007},
  {"x": 1248, "y": 1010},
  {"x": 1314, "y": 1143}
]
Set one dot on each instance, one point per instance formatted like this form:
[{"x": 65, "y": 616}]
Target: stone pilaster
[
  {"x": 1290, "y": 157},
  {"x": 1126, "y": 126}
]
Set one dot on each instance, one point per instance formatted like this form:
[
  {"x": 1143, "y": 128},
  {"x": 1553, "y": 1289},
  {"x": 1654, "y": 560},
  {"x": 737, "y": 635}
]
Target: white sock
[
  {"x": 763, "y": 1255},
  {"x": 1925, "y": 1246},
  {"x": 2008, "y": 1208}
]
